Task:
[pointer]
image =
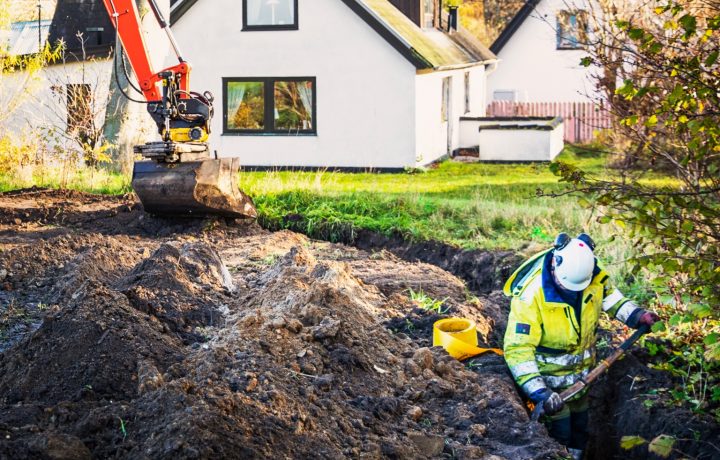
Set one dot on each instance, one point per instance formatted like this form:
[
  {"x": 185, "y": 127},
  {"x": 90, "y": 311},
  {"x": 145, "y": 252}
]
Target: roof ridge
[{"x": 514, "y": 24}]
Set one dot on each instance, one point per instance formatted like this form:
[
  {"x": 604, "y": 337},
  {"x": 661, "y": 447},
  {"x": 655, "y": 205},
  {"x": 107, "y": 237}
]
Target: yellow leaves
[
  {"x": 662, "y": 445},
  {"x": 628, "y": 442}
]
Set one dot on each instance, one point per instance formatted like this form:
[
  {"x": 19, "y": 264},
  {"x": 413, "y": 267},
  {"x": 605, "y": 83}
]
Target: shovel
[{"x": 595, "y": 373}]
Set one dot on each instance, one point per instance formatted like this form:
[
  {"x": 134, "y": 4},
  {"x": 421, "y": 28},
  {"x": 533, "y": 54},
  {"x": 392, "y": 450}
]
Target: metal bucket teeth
[{"x": 194, "y": 188}]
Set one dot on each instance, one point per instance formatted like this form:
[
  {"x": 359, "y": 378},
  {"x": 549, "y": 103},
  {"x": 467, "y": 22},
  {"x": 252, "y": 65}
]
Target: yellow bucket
[{"x": 458, "y": 336}]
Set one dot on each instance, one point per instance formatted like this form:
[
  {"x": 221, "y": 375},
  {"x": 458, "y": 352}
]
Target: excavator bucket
[{"x": 193, "y": 188}]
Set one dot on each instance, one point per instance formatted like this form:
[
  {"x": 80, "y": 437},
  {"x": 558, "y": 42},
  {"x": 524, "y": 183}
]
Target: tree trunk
[{"x": 119, "y": 130}]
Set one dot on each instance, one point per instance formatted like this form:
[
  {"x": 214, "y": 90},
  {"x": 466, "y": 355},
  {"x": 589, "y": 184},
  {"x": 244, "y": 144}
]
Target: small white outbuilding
[{"x": 356, "y": 84}]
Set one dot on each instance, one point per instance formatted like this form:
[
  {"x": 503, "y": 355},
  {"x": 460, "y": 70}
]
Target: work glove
[
  {"x": 648, "y": 318},
  {"x": 551, "y": 401}
]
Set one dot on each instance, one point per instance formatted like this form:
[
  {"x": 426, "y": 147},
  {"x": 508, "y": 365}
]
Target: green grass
[
  {"x": 488, "y": 206},
  {"x": 492, "y": 206},
  {"x": 87, "y": 180}
]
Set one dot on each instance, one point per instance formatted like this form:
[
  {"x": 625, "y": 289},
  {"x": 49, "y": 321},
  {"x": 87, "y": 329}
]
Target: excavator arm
[{"x": 178, "y": 176}]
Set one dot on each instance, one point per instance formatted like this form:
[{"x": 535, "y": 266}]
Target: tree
[
  {"x": 19, "y": 81},
  {"x": 660, "y": 75},
  {"x": 80, "y": 99}
]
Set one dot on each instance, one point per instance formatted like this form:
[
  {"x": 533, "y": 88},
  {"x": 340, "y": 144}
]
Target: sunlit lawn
[{"x": 480, "y": 205}]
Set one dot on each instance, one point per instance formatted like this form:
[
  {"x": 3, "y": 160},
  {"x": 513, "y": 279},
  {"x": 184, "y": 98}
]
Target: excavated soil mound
[{"x": 124, "y": 335}]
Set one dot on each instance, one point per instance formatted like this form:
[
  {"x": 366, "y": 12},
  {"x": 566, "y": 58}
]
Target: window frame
[
  {"x": 467, "y": 91},
  {"x": 581, "y": 20},
  {"x": 269, "y": 107},
  {"x": 445, "y": 101},
  {"x": 266, "y": 27},
  {"x": 78, "y": 107}
]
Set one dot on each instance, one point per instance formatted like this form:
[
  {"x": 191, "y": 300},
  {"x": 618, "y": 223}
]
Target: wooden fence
[{"x": 582, "y": 120}]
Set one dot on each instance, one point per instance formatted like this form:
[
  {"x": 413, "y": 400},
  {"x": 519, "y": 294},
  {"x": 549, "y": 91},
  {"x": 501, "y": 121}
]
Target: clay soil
[{"x": 124, "y": 335}]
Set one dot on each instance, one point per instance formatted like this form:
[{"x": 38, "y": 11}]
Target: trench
[{"x": 618, "y": 400}]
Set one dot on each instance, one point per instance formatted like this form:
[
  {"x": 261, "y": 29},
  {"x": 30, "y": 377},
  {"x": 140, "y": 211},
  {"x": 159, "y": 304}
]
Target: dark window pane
[
  {"x": 246, "y": 105},
  {"x": 293, "y": 105},
  {"x": 270, "y": 12},
  {"x": 572, "y": 29},
  {"x": 80, "y": 117}
]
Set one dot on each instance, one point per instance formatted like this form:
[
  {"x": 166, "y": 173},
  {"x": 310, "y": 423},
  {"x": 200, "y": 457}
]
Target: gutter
[{"x": 459, "y": 66}]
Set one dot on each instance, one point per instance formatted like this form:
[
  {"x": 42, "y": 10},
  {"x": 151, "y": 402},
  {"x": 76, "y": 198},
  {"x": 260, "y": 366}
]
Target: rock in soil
[{"x": 124, "y": 335}]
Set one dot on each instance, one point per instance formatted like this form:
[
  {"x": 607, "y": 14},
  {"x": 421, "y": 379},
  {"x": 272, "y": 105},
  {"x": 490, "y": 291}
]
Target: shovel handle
[{"x": 539, "y": 409}]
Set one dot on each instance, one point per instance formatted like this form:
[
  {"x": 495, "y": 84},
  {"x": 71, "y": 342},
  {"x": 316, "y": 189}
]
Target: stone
[
  {"x": 327, "y": 328},
  {"x": 478, "y": 429},
  {"x": 428, "y": 444},
  {"x": 423, "y": 357},
  {"x": 415, "y": 413}
]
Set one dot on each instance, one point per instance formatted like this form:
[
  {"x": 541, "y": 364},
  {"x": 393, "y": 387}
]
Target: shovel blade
[{"x": 192, "y": 189}]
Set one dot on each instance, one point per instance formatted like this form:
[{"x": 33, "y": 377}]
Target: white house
[
  {"x": 540, "y": 51},
  {"x": 65, "y": 102},
  {"x": 332, "y": 83}
]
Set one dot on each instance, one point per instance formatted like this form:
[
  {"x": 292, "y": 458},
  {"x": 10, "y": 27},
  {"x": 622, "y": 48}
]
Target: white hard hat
[{"x": 574, "y": 264}]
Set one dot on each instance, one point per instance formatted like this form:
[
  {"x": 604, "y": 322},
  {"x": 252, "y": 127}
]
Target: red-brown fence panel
[{"x": 582, "y": 120}]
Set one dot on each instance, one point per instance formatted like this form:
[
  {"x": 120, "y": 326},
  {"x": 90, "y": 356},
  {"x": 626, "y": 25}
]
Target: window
[
  {"x": 269, "y": 105},
  {"x": 270, "y": 14},
  {"x": 98, "y": 32},
  {"x": 572, "y": 27},
  {"x": 467, "y": 92},
  {"x": 79, "y": 110},
  {"x": 505, "y": 95},
  {"x": 428, "y": 14},
  {"x": 445, "y": 99}
]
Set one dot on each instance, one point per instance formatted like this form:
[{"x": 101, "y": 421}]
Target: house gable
[
  {"x": 513, "y": 25},
  {"x": 425, "y": 49},
  {"x": 87, "y": 17},
  {"x": 535, "y": 65}
]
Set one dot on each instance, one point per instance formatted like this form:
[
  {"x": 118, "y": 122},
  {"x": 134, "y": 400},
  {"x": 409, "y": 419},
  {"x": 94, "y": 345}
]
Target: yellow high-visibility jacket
[{"x": 546, "y": 344}]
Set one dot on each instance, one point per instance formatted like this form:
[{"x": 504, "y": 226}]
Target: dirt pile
[
  {"x": 228, "y": 341},
  {"x": 125, "y": 335}
]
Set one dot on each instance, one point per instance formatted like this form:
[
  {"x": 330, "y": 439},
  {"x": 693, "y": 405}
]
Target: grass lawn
[
  {"x": 489, "y": 206},
  {"x": 471, "y": 205},
  {"x": 87, "y": 180},
  {"x": 480, "y": 205}
]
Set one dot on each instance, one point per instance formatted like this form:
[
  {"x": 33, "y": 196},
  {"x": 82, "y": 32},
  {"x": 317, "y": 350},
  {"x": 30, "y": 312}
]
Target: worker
[{"x": 557, "y": 298}]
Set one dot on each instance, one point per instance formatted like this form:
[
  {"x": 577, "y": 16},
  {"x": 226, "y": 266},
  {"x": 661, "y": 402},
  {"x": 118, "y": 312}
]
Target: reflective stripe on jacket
[{"x": 546, "y": 344}]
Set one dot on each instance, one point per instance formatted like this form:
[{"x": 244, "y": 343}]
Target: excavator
[{"x": 178, "y": 176}]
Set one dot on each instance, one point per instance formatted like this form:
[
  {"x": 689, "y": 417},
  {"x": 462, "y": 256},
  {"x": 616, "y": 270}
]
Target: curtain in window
[
  {"x": 270, "y": 12},
  {"x": 235, "y": 95},
  {"x": 305, "y": 91}
]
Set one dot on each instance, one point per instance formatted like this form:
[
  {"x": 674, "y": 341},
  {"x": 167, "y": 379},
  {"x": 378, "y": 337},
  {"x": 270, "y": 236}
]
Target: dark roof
[
  {"x": 88, "y": 17},
  {"x": 424, "y": 48},
  {"x": 513, "y": 25}
]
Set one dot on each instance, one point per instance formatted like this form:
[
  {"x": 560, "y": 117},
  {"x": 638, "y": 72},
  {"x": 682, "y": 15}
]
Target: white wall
[
  {"x": 44, "y": 108},
  {"x": 431, "y": 133},
  {"x": 519, "y": 144},
  {"x": 365, "y": 88},
  {"x": 531, "y": 64}
]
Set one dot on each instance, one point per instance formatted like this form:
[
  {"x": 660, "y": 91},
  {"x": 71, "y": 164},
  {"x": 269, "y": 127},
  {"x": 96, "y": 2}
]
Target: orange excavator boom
[{"x": 179, "y": 177}]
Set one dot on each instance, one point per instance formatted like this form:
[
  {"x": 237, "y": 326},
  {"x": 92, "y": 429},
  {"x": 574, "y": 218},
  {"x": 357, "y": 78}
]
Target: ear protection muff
[{"x": 561, "y": 241}]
